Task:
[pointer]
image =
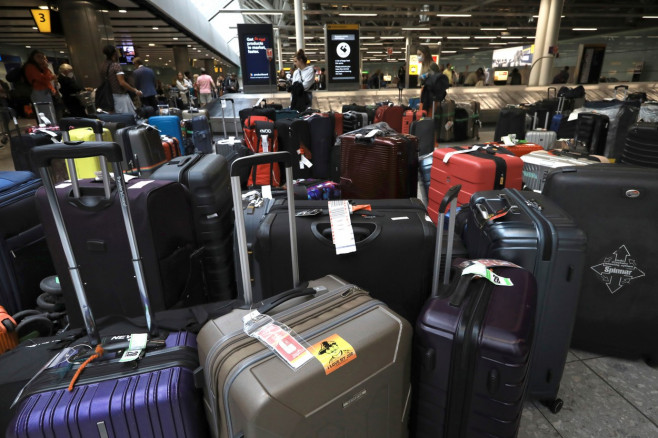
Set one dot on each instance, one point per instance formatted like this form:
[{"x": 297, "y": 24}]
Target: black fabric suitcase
[
  {"x": 232, "y": 149},
  {"x": 536, "y": 234},
  {"x": 322, "y": 139},
  {"x": 396, "y": 236},
  {"x": 294, "y": 136},
  {"x": 201, "y": 135},
  {"x": 472, "y": 348},
  {"x": 622, "y": 115},
  {"x": 460, "y": 128},
  {"x": 353, "y": 120},
  {"x": 164, "y": 226},
  {"x": 511, "y": 121},
  {"x": 615, "y": 205},
  {"x": 142, "y": 149},
  {"x": 591, "y": 132},
  {"x": 424, "y": 130},
  {"x": 641, "y": 146},
  {"x": 207, "y": 179}
]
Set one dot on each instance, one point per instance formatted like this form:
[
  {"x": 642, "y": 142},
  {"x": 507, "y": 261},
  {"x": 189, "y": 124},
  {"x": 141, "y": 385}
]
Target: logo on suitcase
[
  {"x": 618, "y": 270},
  {"x": 333, "y": 353}
]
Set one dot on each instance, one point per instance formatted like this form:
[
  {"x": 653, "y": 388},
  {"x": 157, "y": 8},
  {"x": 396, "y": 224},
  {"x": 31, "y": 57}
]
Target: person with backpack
[
  {"x": 120, "y": 87},
  {"x": 38, "y": 75},
  {"x": 428, "y": 68},
  {"x": 302, "y": 80}
]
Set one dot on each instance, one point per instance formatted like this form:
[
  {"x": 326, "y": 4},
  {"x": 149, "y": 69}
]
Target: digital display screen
[
  {"x": 255, "y": 39},
  {"x": 501, "y": 75},
  {"x": 342, "y": 49},
  {"x": 512, "y": 56},
  {"x": 126, "y": 54}
]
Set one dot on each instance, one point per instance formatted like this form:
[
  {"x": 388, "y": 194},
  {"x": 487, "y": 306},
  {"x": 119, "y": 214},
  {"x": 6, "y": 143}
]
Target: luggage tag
[
  {"x": 341, "y": 227},
  {"x": 135, "y": 348},
  {"x": 480, "y": 270},
  {"x": 448, "y": 125},
  {"x": 278, "y": 337}
]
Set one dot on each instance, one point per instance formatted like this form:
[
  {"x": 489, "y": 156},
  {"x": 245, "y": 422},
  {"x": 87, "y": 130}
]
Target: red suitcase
[
  {"x": 522, "y": 148},
  {"x": 391, "y": 114},
  {"x": 476, "y": 168},
  {"x": 409, "y": 116}
]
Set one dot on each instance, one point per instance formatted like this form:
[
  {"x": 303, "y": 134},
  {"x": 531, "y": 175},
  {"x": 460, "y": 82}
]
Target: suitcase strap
[{"x": 489, "y": 153}]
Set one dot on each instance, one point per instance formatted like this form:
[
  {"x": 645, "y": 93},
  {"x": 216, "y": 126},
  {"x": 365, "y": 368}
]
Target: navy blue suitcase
[
  {"x": 321, "y": 144},
  {"x": 201, "y": 135}
]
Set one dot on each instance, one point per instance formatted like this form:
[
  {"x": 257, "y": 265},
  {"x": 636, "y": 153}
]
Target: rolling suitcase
[
  {"x": 165, "y": 233},
  {"x": 261, "y": 136},
  {"x": 543, "y": 137},
  {"x": 444, "y": 119},
  {"x": 201, "y": 135},
  {"x": 591, "y": 132},
  {"x": 353, "y": 120},
  {"x": 476, "y": 168},
  {"x": 170, "y": 147},
  {"x": 79, "y": 129},
  {"x": 295, "y": 137},
  {"x": 169, "y": 126},
  {"x": 462, "y": 119},
  {"x": 537, "y": 166},
  {"x": 330, "y": 387},
  {"x": 378, "y": 163},
  {"x": 613, "y": 203},
  {"x": 521, "y": 149},
  {"x": 511, "y": 121},
  {"x": 322, "y": 139},
  {"x": 410, "y": 116},
  {"x": 473, "y": 347},
  {"x": 391, "y": 115},
  {"x": 108, "y": 398},
  {"x": 641, "y": 147},
  {"x": 142, "y": 149},
  {"x": 530, "y": 230},
  {"x": 207, "y": 179},
  {"x": 126, "y": 118},
  {"x": 20, "y": 144},
  {"x": 236, "y": 130},
  {"x": 622, "y": 115},
  {"x": 424, "y": 130}
]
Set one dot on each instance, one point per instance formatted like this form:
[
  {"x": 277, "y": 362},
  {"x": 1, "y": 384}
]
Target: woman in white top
[
  {"x": 302, "y": 80},
  {"x": 183, "y": 85}
]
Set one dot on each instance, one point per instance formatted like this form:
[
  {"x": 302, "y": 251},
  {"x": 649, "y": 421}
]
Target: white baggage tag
[
  {"x": 266, "y": 147},
  {"x": 341, "y": 227},
  {"x": 223, "y": 104},
  {"x": 137, "y": 344},
  {"x": 303, "y": 161},
  {"x": 267, "y": 192},
  {"x": 507, "y": 140},
  {"x": 231, "y": 140},
  {"x": 140, "y": 184},
  {"x": 481, "y": 270},
  {"x": 448, "y": 125}
]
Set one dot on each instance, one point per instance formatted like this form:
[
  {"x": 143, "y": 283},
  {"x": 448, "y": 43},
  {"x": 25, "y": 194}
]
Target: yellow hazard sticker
[{"x": 333, "y": 353}]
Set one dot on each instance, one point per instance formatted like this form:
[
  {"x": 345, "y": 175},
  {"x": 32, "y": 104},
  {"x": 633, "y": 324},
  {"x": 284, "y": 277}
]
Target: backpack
[
  {"x": 104, "y": 98},
  {"x": 261, "y": 136},
  {"x": 16, "y": 75}
]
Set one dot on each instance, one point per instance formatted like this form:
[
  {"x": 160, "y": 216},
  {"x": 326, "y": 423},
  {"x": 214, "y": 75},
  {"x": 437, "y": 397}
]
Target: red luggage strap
[{"x": 486, "y": 152}]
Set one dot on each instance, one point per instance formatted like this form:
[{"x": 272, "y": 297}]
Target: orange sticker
[{"x": 333, "y": 353}]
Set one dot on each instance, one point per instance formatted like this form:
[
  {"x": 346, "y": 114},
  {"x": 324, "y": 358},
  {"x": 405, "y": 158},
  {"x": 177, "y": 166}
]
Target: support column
[
  {"x": 407, "y": 56},
  {"x": 181, "y": 59},
  {"x": 542, "y": 22},
  {"x": 299, "y": 24},
  {"x": 86, "y": 31},
  {"x": 279, "y": 49},
  {"x": 552, "y": 33}
]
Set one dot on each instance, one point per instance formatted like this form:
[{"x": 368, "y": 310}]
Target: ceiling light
[
  {"x": 155, "y": 28},
  {"x": 373, "y": 44},
  {"x": 537, "y": 16},
  {"x": 160, "y": 58},
  {"x": 459, "y": 37},
  {"x": 485, "y": 37},
  {"x": 189, "y": 45},
  {"x": 104, "y": 11},
  {"x": 650, "y": 16},
  {"x": 261, "y": 13},
  {"x": 392, "y": 38},
  {"x": 497, "y": 44},
  {"x": 61, "y": 51},
  {"x": 430, "y": 37},
  {"x": 366, "y": 37},
  {"x": 315, "y": 44},
  {"x": 175, "y": 38},
  {"x": 357, "y": 14},
  {"x": 43, "y": 7},
  {"x": 422, "y": 29},
  {"x": 493, "y": 28},
  {"x": 122, "y": 11},
  {"x": 470, "y": 48},
  {"x": 147, "y": 60},
  {"x": 512, "y": 37},
  {"x": 151, "y": 45},
  {"x": 448, "y": 51},
  {"x": 309, "y": 37},
  {"x": 35, "y": 28},
  {"x": 148, "y": 54},
  {"x": 453, "y": 15},
  {"x": 584, "y": 29},
  {"x": 28, "y": 47}
]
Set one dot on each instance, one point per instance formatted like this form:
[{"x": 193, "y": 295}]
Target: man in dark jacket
[
  {"x": 69, "y": 89},
  {"x": 145, "y": 82}
]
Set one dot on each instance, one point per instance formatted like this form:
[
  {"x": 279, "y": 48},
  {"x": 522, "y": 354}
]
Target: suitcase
[
  {"x": 337, "y": 121},
  {"x": 45, "y": 113},
  {"x": 245, "y": 113},
  {"x": 170, "y": 147},
  {"x": 20, "y": 144},
  {"x": 353, "y": 120},
  {"x": 366, "y": 395},
  {"x": 235, "y": 120},
  {"x": 126, "y": 118},
  {"x": 424, "y": 130},
  {"x": 424, "y": 173},
  {"x": 321, "y": 143},
  {"x": 368, "y": 110},
  {"x": 169, "y": 126},
  {"x": 109, "y": 398},
  {"x": 537, "y": 166},
  {"x": 622, "y": 115},
  {"x": 591, "y": 132},
  {"x": 378, "y": 163},
  {"x": 521, "y": 149},
  {"x": 201, "y": 135},
  {"x": 620, "y": 252},
  {"x": 539, "y": 236},
  {"x": 283, "y": 114},
  {"x": 559, "y": 117},
  {"x": 476, "y": 169},
  {"x": 8, "y": 338},
  {"x": 142, "y": 149},
  {"x": 79, "y": 129},
  {"x": 232, "y": 149},
  {"x": 410, "y": 116},
  {"x": 444, "y": 119},
  {"x": 541, "y": 136},
  {"x": 165, "y": 233},
  {"x": 472, "y": 348},
  {"x": 641, "y": 147},
  {"x": 393, "y": 226},
  {"x": 295, "y": 137},
  {"x": 391, "y": 115},
  {"x": 261, "y": 136},
  {"x": 648, "y": 112},
  {"x": 510, "y": 121},
  {"x": 24, "y": 256},
  {"x": 207, "y": 179},
  {"x": 460, "y": 128},
  {"x": 191, "y": 113}
]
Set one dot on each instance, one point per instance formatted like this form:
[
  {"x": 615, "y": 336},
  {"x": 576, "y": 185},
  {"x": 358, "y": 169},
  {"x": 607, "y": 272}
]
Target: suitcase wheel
[{"x": 553, "y": 405}]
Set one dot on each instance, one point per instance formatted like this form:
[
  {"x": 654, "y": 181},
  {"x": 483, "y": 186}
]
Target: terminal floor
[{"x": 604, "y": 397}]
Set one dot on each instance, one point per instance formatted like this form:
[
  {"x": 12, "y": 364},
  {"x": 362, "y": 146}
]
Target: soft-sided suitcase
[
  {"x": 283, "y": 114},
  {"x": 142, "y": 149},
  {"x": 110, "y": 399},
  {"x": 462, "y": 119},
  {"x": 444, "y": 119},
  {"x": 390, "y": 228},
  {"x": 249, "y": 391},
  {"x": 201, "y": 134},
  {"x": 20, "y": 144},
  {"x": 245, "y": 113},
  {"x": 473, "y": 348},
  {"x": 622, "y": 115},
  {"x": 424, "y": 130},
  {"x": 410, "y": 116},
  {"x": 169, "y": 126},
  {"x": 510, "y": 121},
  {"x": 207, "y": 179},
  {"x": 165, "y": 233},
  {"x": 322, "y": 139},
  {"x": 641, "y": 147},
  {"x": 378, "y": 163},
  {"x": 532, "y": 231},
  {"x": 295, "y": 137},
  {"x": 476, "y": 168},
  {"x": 591, "y": 132},
  {"x": 613, "y": 204}
]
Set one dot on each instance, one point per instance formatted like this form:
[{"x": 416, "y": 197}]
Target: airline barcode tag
[{"x": 341, "y": 227}]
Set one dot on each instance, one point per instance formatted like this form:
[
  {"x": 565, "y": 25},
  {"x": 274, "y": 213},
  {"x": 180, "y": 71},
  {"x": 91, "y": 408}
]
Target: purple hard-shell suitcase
[
  {"x": 152, "y": 396},
  {"x": 473, "y": 347}
]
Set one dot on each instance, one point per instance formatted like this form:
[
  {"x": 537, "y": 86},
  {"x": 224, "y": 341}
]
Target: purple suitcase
[
  {"x": 153, "y": 396},
  {"x": 473, "y": 345}
]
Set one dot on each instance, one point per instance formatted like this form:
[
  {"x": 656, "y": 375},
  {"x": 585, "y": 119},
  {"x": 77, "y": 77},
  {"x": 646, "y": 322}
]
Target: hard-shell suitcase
[
  {"x": 473, "y": 347},
  {"x": 142, "y": 149},
  {"x": 391, "y": 227},
  {"x": 250, "y": 391},
  {"x": 170, "y": 146},
  {"x": 510, "y": 121},
  {"x": 207, "y": 179},
  {"x": 613, "y": 204},
  {"x": 521, "y": 149},
  {"x": 641, "y": 147},
  {"x": 322, "y": 140},
  {"x": 353, "y": 120},
  {"x": 543, "y": 137},
  {"x": 79, "y": 129},
  {"x": 532, "y": 231},
  {"x": 110, "y": 399},
  {"x": 126, "y": 118},
  {"x": 20, "y": 144},
  {"x": 591, "y": 132},
  {"x": 201, "y": 134},
  {"x": 378, "y": 163},
  {"x": 410, "y": 116},
  {"x": 424, "y": 130},
  {"x": 537, "y": 166},
  {"x": 390, "y": 114},
  {"x": 476, "y": 168},
  {"x": 169, "y": 126}
]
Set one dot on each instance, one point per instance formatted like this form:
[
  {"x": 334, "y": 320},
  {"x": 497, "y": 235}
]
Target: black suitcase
[
  {"x": 622, "y": 115},
  {"x": 126, "y": 118},
  {"x": 201, "y": 135},
  {"x": 142, "y": 149},
  {"x": 353, "y": 120},
  {"x": 530, "y": 230},
  {"x": 395, "y": 237},
  {"x": 294, "y": 136},
  {"x": 207, "y": 179},
  {"x": 322, "y": 139},
  {"x": 615, "y": 205},
  {"x": 511, "y": 121},
  {"x": 460, "y": 128},
  {"x": 472, "y": 348},
  {"x": 424, "y": 130},
  {"x": 591, "y": 132},
  {"x": 641, "y": 146},
  {"x": 165, "y": 233}
]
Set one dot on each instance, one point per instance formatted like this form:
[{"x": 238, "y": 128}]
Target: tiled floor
[{"x": 603, "y": 397}]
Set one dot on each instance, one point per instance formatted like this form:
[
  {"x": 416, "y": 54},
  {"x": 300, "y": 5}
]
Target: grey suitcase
[
  {"x": 361, "y": 388},
  {"x": 542, "y": 137}
]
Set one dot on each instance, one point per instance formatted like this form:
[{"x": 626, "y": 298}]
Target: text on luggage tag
[
  {"x": 135, "y": 347},
  {"x": 341, "y": 227},
  {"x": 481, "y": 270},
  {"x": 618, "y": 269}
]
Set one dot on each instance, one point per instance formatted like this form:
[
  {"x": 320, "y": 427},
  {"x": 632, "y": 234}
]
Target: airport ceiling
[{"x": 458, "y": 25}]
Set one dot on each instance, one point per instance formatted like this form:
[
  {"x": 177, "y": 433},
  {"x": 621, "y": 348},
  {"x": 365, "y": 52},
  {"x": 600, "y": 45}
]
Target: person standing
[
  {"x": 39, "y": 77},
  {"x": 116, "y": 77},
  {"x": 427, "y": 68},
  {"x": 562, "y": 77},
  {"x": 231, "y": 84},
  {"x": 302, "y": 80},
  {"x": 220, "y": 85},
  {"x": 322, "y": 80},
  {"x": 183, "y": 85},
  {"x": 145, "y": 82},
  {"x": 204, "y": 88},
  {"x": 449, "y": 73},
  {"x": 69, "y": 89},
  {"x": 515, "y": 77}
]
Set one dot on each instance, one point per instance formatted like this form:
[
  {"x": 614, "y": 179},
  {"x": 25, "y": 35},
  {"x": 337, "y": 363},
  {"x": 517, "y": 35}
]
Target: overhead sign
[
  {"x": 343, "y": 57},
  {"x": 257, "y": 68},
  {"x": 42, "y": 19},
  {"x": 414, "y": 65},
  {"x": 512, "y": 56}
]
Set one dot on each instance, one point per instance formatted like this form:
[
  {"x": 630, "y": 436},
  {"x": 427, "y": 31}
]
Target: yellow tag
[
  {"x": 42, "y": 19},
  {"x": 333, "y": 353}
]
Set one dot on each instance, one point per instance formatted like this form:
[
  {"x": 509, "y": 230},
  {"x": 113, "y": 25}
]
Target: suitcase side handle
[{"x": 68, "y": 123}]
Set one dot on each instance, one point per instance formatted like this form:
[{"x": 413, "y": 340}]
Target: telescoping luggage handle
[
  {"x": 239, "y": 165},
  {"x": 449, "y": 198},
  {"x": 41, "y": 158},
  {"x": 235, "y": 122}
]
